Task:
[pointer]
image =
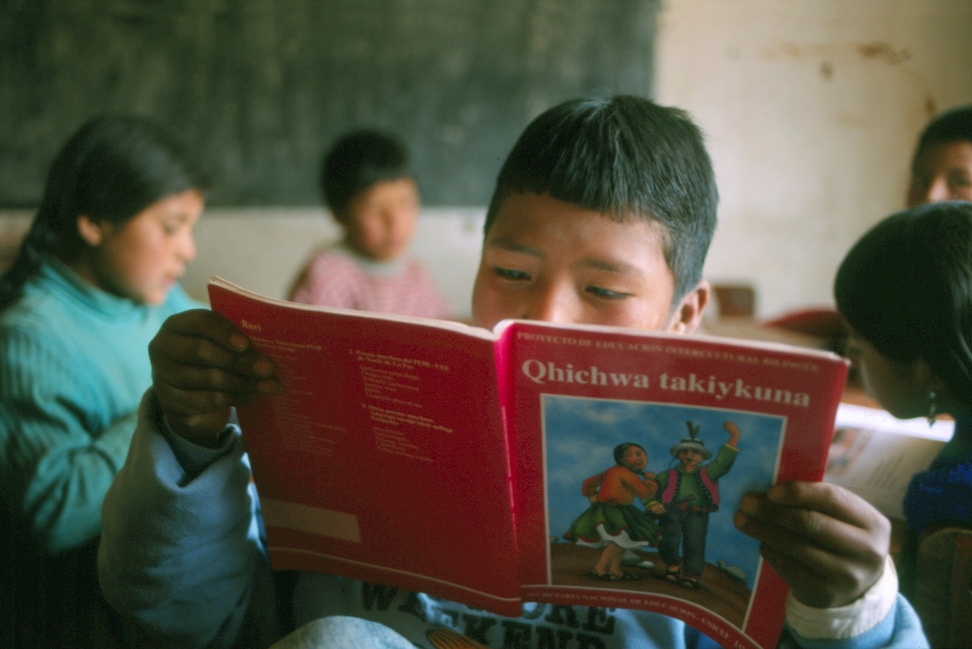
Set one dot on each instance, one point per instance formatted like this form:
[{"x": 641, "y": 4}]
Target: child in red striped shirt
[{"x": 369, "y": 187}]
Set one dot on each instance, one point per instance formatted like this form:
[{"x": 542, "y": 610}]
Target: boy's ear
[
  {"x": 687, "y": 317},
  {"x": 91, "y": 232}
]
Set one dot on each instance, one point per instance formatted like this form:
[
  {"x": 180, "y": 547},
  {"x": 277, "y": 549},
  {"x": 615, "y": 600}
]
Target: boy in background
[
  {"x": 603, "y": 214},
  {"x": 372, "y": 194},
  {"x": 941, "y": 168}
]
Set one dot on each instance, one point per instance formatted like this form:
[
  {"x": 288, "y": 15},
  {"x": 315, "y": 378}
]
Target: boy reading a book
[{"x": 602, "y": 213}]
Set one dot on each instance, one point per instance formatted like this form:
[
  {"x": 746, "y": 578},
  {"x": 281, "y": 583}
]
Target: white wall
[
  {"x": 263, "y": 250},
  {"x": 811, "y": 108}
]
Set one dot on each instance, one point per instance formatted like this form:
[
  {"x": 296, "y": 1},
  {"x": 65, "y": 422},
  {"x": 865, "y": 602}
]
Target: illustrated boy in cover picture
[
  {"x": 612, "y": 521},
  {"x": 686, "y": 495}
]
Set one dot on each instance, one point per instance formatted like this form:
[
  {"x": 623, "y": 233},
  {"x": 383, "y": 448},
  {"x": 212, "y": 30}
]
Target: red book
[{"x": 448, "y": 459}]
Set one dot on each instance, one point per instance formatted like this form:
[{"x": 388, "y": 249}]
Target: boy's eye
[
  {"x": 960, "y": 181},
  {"x": 511, "y": 274},
  {"x": 606, "y": 293}
]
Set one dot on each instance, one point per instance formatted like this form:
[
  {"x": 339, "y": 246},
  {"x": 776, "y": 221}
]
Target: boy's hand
[
  {"x": 828, "y": 544},
  {"x": 202, "y": 365}
]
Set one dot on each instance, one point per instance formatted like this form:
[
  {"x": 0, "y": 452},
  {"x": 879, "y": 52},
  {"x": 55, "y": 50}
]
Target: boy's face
[
  {"x": 943, "y": 172},
  {"x": 381, "y": 220},
  {"x": 544, "y": 259}
]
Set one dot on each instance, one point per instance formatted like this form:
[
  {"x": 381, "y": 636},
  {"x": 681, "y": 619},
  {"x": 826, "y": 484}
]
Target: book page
[
  {"x": 580, "y": 393},
  {"x": 383, "y": 457},
  {"x": 874, "y": 454}
]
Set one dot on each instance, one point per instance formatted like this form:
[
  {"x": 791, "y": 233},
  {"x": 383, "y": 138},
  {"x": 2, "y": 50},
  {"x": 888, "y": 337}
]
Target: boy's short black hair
[
  {"x": 357, "y": 161},
  {"x": 628, "y": 158},
  {"x": 951, "y": 126}
]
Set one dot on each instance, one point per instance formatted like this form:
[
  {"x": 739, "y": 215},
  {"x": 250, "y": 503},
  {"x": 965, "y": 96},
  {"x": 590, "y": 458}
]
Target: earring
[{"x": 932, "y": 410}]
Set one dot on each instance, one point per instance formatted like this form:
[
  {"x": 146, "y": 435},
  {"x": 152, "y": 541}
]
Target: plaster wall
[{"x": 811, "y": 109}]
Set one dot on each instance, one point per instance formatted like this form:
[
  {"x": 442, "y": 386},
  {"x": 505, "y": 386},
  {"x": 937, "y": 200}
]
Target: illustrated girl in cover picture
[
  {"x": 612, "y": 521},
  {"x": 687, "y": 494}
]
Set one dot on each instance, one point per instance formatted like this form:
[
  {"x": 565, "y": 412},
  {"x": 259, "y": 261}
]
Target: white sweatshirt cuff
[{"x": 861, "y": 615}]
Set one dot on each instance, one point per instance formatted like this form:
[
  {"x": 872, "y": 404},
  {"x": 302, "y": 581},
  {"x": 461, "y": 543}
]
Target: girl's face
[
  {"x": 142, "y": 258},
  {"x": 899, "y": 387},
  {"x": 635, "y": 458}
]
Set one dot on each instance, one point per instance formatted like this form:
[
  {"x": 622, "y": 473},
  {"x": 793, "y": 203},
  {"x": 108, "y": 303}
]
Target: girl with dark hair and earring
[
  {"x": 95, "y": 277},
  {"x": 905, "y": 294}
]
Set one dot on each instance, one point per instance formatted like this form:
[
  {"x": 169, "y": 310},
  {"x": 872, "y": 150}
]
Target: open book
[
  {"x": 875, "y": 455},
  {"x": 452, "y": 460}
]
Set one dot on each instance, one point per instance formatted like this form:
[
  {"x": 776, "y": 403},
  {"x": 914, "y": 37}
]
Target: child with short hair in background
[
  {"x": 373, "y": 195},
  {"x": 941, "y": 168}
]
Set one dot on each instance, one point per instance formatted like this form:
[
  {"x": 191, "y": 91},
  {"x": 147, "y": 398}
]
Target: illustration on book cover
[{"x": 640, "y": 497}]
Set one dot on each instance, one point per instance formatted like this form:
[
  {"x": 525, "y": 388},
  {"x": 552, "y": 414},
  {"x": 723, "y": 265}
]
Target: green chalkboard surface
[{"x": 261, "y": 87}]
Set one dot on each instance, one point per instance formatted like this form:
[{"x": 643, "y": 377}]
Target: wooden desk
[{"x": 750, "y": 329}]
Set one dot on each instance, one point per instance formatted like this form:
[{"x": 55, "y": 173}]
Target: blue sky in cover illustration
[{"x": 581, "y": 433}]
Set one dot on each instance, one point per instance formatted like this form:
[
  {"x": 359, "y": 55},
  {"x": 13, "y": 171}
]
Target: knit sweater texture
[{"x": 73, "y": 366}]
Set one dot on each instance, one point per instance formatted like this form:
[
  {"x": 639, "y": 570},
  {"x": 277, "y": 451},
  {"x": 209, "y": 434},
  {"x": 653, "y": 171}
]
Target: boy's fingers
[
  {"x": 822, "y": 584},
  {"x": 825, "y": 515},
  {"x": 831, "y": 501},
  {"x": 819, "y": 574},
  {"x": 828, "y": 544},
  {"x": 809, "y": 537},
  {"x": 201, "y": 366},
  {"x": 200, "y": 339},
  {"x": 191, "y": 388},
  {"x": 203, "y": 323}
]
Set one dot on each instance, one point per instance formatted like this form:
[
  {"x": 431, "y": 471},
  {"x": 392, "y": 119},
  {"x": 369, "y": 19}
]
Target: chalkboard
[{"x": 260, "y": 88}]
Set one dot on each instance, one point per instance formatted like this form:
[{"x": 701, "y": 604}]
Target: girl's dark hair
[
  {"x": 112, "y": 168},
  {"x": 625, "y": 157},
  {"x": 621, "y": 448},
  {"x": 357, "y": 161},
  {"x": 906, "y": 288}
]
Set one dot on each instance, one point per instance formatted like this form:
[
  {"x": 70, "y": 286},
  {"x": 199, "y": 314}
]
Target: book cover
[
  {"x": 401, "y": 447},
  {"x": 579, "y": 393}
]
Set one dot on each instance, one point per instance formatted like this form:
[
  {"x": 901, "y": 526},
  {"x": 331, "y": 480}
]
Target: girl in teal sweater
[{"x": 94, "y": 279}]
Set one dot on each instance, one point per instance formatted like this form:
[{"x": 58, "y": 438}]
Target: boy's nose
[
  {"x": 938, "y": 191},
  {"x": 549, "y": 304},
  {"x": 396, "y": 220}
]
